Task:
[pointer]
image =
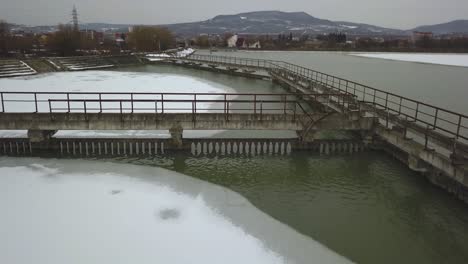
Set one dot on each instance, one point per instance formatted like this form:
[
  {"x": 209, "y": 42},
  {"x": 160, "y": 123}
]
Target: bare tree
[
  {"x": 4, "y": 36},
  {"x": 65, "y": 41},
  {"x": 149, "y": 38}
]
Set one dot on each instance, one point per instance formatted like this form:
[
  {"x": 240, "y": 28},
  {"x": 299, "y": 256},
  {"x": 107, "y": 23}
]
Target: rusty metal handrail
[
  {"x": 69, "y": 98},
  {"x": 449, "y": 122}
]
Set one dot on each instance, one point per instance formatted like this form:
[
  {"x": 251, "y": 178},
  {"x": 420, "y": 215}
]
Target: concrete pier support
[
  {"x": 40, "y": 135},
  {"x": 176, "y": 136}
]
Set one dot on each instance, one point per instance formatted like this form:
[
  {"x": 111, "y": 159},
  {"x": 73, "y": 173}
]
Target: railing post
[
  {"x": 131, "y": 101},
  {"x": 193, "y": 112},
  {"x": 386, "y": 101},
  {"x": 435, "y": 119},
  {"x": 225, "y": 104},
  {"x": 68, "y": 102},
  {"x": 417, "y": 112},
  {"x": 3, "y": 103},
  {"x": 399, "y": 107},
  {"x": 459, "y": 126},
  {"x": 261, "y": 110},
  {"x": 255, "y": 105},
  {"x": 227, "y": 110},
  {"x": 100, "y": 103},
  {"x": 373, "y": 100},
  {"x": 35, "y": 101},
  {"x": 195, "y": 103},
  {"x": 121, "y": 110},
  {"x": 50, "y": 108},
  {"x": 162, "y": 103},
  {"x": 85, "y": 111}
]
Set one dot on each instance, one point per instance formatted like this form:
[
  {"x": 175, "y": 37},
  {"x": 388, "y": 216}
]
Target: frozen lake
[
  {"x": 125, "y": 82},
  {"x": 367, "y": 207},
  {"x": 56, "y": 211},
  {"x": 441, "y": 59}
]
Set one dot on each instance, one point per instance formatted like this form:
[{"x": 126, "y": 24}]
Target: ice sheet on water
[
  {"x": 63, "y": 211},
  {"x": 107, "y": 82},
  {"x": 442, "y": 59},
  {"x": 112, "y": 134},
  {"x": 13, "y": 133},
  {"x": 162, "y": 56}
]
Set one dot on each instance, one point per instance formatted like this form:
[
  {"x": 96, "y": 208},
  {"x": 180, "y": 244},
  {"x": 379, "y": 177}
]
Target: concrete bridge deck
[{"x": 49, "y": 112}]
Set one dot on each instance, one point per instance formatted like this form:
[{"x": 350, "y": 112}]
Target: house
[
  {"x": 255, "y": 45},
  {"x": 417, "y": 35},
  {"x": 241, "y": 43},
  {"x": 232, "y": 41}
]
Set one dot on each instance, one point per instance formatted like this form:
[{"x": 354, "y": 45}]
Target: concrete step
[
  {"x": 6, "y": 62},
  {"x": 91, "y": 67},
  {"x": 85, "y": 63},
  {"x": 17, "y": 70},
  {"x": 2, "y": 75},
  {"x": 10, "y": 65},
  {"x": 13, "y": 68}
]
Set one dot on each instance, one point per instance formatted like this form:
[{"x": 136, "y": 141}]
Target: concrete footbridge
[
  {"x": 42, "y": 114},
  {"x": 429, "y": 139}
]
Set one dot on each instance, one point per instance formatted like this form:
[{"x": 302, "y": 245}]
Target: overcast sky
[{"x": 402, "y": 14}]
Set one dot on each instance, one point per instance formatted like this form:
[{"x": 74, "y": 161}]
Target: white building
[{"x": 232, "y": 41}]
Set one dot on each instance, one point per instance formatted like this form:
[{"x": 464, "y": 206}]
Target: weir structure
[{"x": 429, "y": 139}]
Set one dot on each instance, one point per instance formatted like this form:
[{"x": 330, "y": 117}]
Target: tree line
[
  {"x": 68, "y": 41},
  {"x": 341, "y": 42}
]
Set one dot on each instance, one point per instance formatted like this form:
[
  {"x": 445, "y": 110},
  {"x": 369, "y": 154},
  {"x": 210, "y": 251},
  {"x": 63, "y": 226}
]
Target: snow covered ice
[
  {"x": 442, "y": 59},
  {"x": 70, "y": 211},
  {"x": 105, "y": 82},
  {"x": 163, "y": 56}
]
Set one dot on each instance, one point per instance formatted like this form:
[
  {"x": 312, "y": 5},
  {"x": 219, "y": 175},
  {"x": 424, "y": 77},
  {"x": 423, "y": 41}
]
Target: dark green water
[{"x": 367, "y": 207}]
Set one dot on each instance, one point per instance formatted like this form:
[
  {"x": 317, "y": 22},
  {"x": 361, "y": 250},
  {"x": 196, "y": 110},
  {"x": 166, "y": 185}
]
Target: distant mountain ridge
[
  {"x": 456, "y": 26},
  {"x": 276, "y": 22}
]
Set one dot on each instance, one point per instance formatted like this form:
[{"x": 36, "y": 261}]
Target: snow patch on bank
[
  {"x": 441, "y": 59},
  {"x": 163, "y": 56}
]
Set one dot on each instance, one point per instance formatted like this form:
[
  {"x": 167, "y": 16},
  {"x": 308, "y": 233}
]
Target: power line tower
[{"x": 75, "y": 19}]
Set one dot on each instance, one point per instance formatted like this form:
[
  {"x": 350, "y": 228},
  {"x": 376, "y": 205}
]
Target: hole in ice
[
  {"x": 114, "y": 192},
  {"x": 168, "y": 214}
]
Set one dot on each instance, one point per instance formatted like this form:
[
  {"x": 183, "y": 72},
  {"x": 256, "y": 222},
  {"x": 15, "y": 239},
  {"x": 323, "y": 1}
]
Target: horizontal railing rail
[
  {"x": 258, "y": 63},
  {"x": 159, "y": 103}
]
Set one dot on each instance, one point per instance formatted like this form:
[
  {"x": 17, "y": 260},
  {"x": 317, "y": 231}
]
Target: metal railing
[
  {"x": 227, "y": 60},
  {"x": 159, "y": 103},
  {"x": 432, "y": 118}
]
